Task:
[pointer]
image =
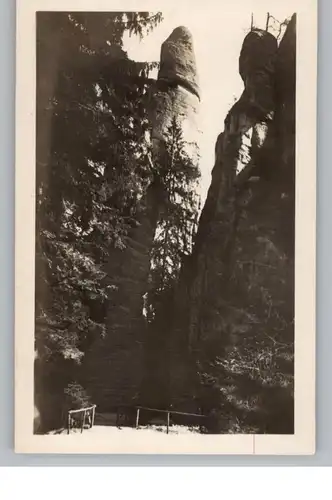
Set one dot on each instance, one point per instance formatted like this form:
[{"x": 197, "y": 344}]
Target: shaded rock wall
[
  {"x": 239, "y": 283},
  {"x": 115, "y": 362}
]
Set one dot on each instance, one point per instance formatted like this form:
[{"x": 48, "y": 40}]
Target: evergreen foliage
[{"x": 92, "y": 170}]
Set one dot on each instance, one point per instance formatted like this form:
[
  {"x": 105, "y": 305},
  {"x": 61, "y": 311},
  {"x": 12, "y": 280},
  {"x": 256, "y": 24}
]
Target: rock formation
[
  {"x": 237, "y": 286},
  {"x": 176, "y": 97},
  {"x": 176, "y": 93},
  {"x": 115, "y": 364},
  {"x": 239, "y": 282}
]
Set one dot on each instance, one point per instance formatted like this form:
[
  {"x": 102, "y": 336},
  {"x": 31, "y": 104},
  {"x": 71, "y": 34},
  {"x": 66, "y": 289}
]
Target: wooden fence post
[
  {"x": 93, "y": 416},
  {"x": 167, "y": 422},
  {"x": 83, "y": 421},
  {"x": 68, "y": 423},
  {"x": 137, "y": 418}
]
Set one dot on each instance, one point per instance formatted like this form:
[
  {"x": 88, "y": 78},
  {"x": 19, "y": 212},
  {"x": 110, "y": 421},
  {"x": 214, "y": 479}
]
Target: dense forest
[{"x": 141, "y": 298}]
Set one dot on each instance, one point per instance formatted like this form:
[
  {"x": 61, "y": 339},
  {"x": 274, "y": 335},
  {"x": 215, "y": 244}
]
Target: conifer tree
[
  {"x": 177, "y": 168},
  {"x": 91, "y": 171}
]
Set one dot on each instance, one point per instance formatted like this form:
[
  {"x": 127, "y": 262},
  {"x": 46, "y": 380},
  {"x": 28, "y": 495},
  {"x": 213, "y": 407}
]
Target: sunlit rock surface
[{"x": 177, "y": 94}]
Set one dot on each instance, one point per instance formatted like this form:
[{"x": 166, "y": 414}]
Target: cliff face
[
  {"x": 116, "y": 363},
  {"x": 237, "y": 288}
]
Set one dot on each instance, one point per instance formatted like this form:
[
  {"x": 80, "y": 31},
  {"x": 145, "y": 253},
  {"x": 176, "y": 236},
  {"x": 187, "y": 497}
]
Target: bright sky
[{"x": 217, "y": 44}]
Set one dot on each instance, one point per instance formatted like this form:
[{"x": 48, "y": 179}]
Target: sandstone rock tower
[
  {"x": 176, "y": 93},
  {"x": 116, "y": 363}
]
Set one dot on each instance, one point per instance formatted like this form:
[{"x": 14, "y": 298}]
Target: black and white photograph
[{"x": 165, "y": 222}]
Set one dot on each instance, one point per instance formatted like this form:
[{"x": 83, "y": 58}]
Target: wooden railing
[
  {"x": 168, "y": 412},
  {"x": 90, "y": 412}
]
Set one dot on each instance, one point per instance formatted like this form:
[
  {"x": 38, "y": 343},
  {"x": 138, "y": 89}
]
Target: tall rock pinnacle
[
  {"x": 177, "y": 61},
  {"x": 177, "y": 91},
  {"x": 115, "y": 362},
  {"x": 257, "y": 69}
]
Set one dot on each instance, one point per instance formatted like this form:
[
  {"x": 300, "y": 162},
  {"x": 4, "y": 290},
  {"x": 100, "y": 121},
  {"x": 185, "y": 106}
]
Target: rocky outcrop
[
  {"x": 238, "y": 285},
  {"x": 257, "y": 70},
  {"x": 177, "y": 61},
  {"x": 175, "y": 100},
  {"x": 236, "y": 289},
  {"x": 115, "y": 363},
  {"x": 176, "y": 93}
]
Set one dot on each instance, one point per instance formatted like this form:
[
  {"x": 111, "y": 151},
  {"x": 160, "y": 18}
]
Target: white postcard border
[{"x": 303, "y": 440}]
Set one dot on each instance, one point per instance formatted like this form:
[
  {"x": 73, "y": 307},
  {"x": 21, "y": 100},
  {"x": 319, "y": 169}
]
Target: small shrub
[{"x": 76, "y": 397}]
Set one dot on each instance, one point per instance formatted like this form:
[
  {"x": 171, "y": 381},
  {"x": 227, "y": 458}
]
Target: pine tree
[
  {"x": 91, "y": 171},
  {"x": 178, "y": 174}
]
